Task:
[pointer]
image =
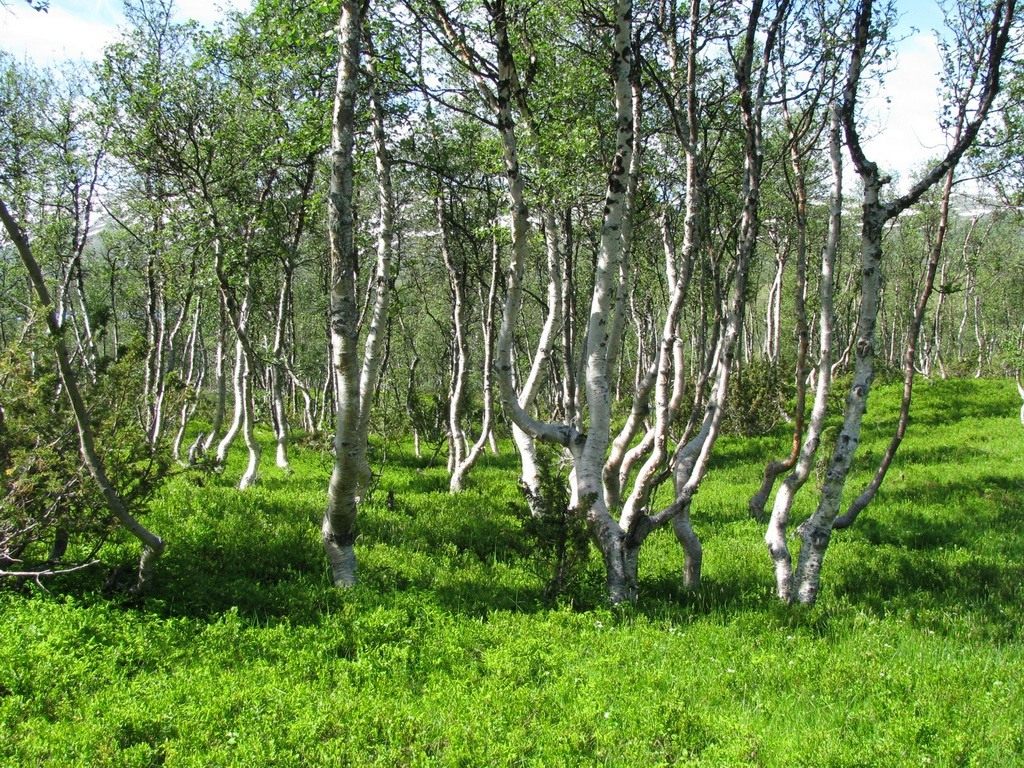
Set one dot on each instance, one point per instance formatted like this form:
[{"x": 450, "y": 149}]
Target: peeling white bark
[
  {"x": 238, "y": 405},
  {"x": 220, "y": 379},
  {"x": 816, "y": 532},
  {"x": 471, "y": 455},
  {"x": 339, "y": 523},
  {"x": 194, "y": 376},
  {"x": 356, "y": 384}
]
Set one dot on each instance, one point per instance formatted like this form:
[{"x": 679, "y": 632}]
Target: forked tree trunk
[
  {"x": 459, "y": 345},
  {"x": 195, "y": 372},
  {"x": 220, "y": 380},
  {"x": 251, "y": 474},
  {"x": 690, "y": 460},
  {"x": 486, "y": 432},
  {"x": 799, "y": 188},
  {"x": 238, "y": 404},
  {"x": 913, "y": 334},
  {"x": 775, "y": 536},
  {"x": 529, "y": 476},
  {"x": 816, "y": 532}
]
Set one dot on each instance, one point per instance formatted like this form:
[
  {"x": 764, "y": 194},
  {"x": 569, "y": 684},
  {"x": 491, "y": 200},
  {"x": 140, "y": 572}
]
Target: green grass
[{"x": 447, "y": 654}]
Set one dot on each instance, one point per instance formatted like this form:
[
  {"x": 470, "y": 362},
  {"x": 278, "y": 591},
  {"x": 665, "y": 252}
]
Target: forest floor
[{"x": 448, "y": 652}]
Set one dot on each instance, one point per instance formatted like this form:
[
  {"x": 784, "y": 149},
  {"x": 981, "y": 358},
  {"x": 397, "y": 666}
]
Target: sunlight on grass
[{"x": 447, "y": 653}]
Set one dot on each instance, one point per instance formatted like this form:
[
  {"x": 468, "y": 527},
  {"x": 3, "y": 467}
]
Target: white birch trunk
[
  {"x": 238, "y": 405},
  {"x": 356, "y": 385},
  {"x": 816, "y": 532},
  {"x": 194, "y": 375},
  {"x": 486, "y": 431},
  {"x": 377, "y": 329},
  {"x": 690, "y": 461},
  {"x": 251, "y": 474},
  {"x": 220, "y": 385},
  {"x": 590, "y": 458},
  {"x": 524, "y": 441},
  {"x": 276, "y": 372},
  {"x": 459, "y": 348},
  {"x": 776, "y": 533},
  {"x": 339, "y": 522}
]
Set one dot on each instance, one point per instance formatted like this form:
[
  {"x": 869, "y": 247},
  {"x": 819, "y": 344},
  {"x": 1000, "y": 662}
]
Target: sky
[
  {"x": 902, "y": 118},
  {"x": 902, "y": 124},
  {"x": 80, "y": 29}
]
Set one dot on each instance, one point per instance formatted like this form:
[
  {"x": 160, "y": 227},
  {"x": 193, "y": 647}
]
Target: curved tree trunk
[
  {"x": 486, "y": 432},
  {"x": 775, "y": 468},
  {"x": 776, "y": 534},
  {"x": 910, "y": 353},
  {"x": 220, "y": 385},
  {"x": 152, "y": 545},
  {"x": 816, "y": 532},
  {"x": 195, "y": 372},
  {"x": 238, "y": 404}
]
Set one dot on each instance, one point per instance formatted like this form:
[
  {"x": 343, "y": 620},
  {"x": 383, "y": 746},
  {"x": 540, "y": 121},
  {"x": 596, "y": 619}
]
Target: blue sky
[{"x": 901, "y": 119}]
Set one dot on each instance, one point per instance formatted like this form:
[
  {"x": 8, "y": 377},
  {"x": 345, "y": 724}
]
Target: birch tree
[
  {"x": 356, "y": 384},
  {"x": 988, "y": 36},
  {"x": 152, "y": 545},
  {"x": 620, "y": 527}
]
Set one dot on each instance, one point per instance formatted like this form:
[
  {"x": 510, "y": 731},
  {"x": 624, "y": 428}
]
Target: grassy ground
[{"x": 447, "y": 653}]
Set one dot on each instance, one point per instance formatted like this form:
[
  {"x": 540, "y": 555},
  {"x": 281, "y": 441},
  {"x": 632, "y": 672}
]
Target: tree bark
[
  {"x": 776, "y": 534},
  {"x": 471, "y": 456},
  {"x": 339, "y": 523},
  {"x": 193, "y": 382},
  {"x": 910, "y": 353}
]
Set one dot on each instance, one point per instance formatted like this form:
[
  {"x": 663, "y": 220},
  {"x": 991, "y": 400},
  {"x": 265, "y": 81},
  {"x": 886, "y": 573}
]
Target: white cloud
[
  {"x": 66, "y": 31},
  {"x": 80, "y": 30},
  {"x": 903, "y": 118}
]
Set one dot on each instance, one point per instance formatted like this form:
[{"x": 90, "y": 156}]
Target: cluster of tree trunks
[{"x": 610, "y": 286}]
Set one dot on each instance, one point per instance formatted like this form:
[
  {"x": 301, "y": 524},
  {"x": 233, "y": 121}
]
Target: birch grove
[{"x": 621, "y": 229}]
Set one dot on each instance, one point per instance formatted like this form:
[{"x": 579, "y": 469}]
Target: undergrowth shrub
[
  {"x": 757, "y": 399},
  {"x": 52, "y": 514},
  {"x": 555, "y": 530}
]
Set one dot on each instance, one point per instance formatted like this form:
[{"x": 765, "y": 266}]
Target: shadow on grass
[{"x": 261, "y": 554}]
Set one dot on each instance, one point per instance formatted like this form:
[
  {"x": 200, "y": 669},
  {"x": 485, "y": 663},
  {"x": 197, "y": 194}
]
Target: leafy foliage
[
  {"x": 244, "y": 654},
  {"x": 757, "y": 399},
  {"x": 555, "y": 530},
  {"x": 48, "y": 500}
]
